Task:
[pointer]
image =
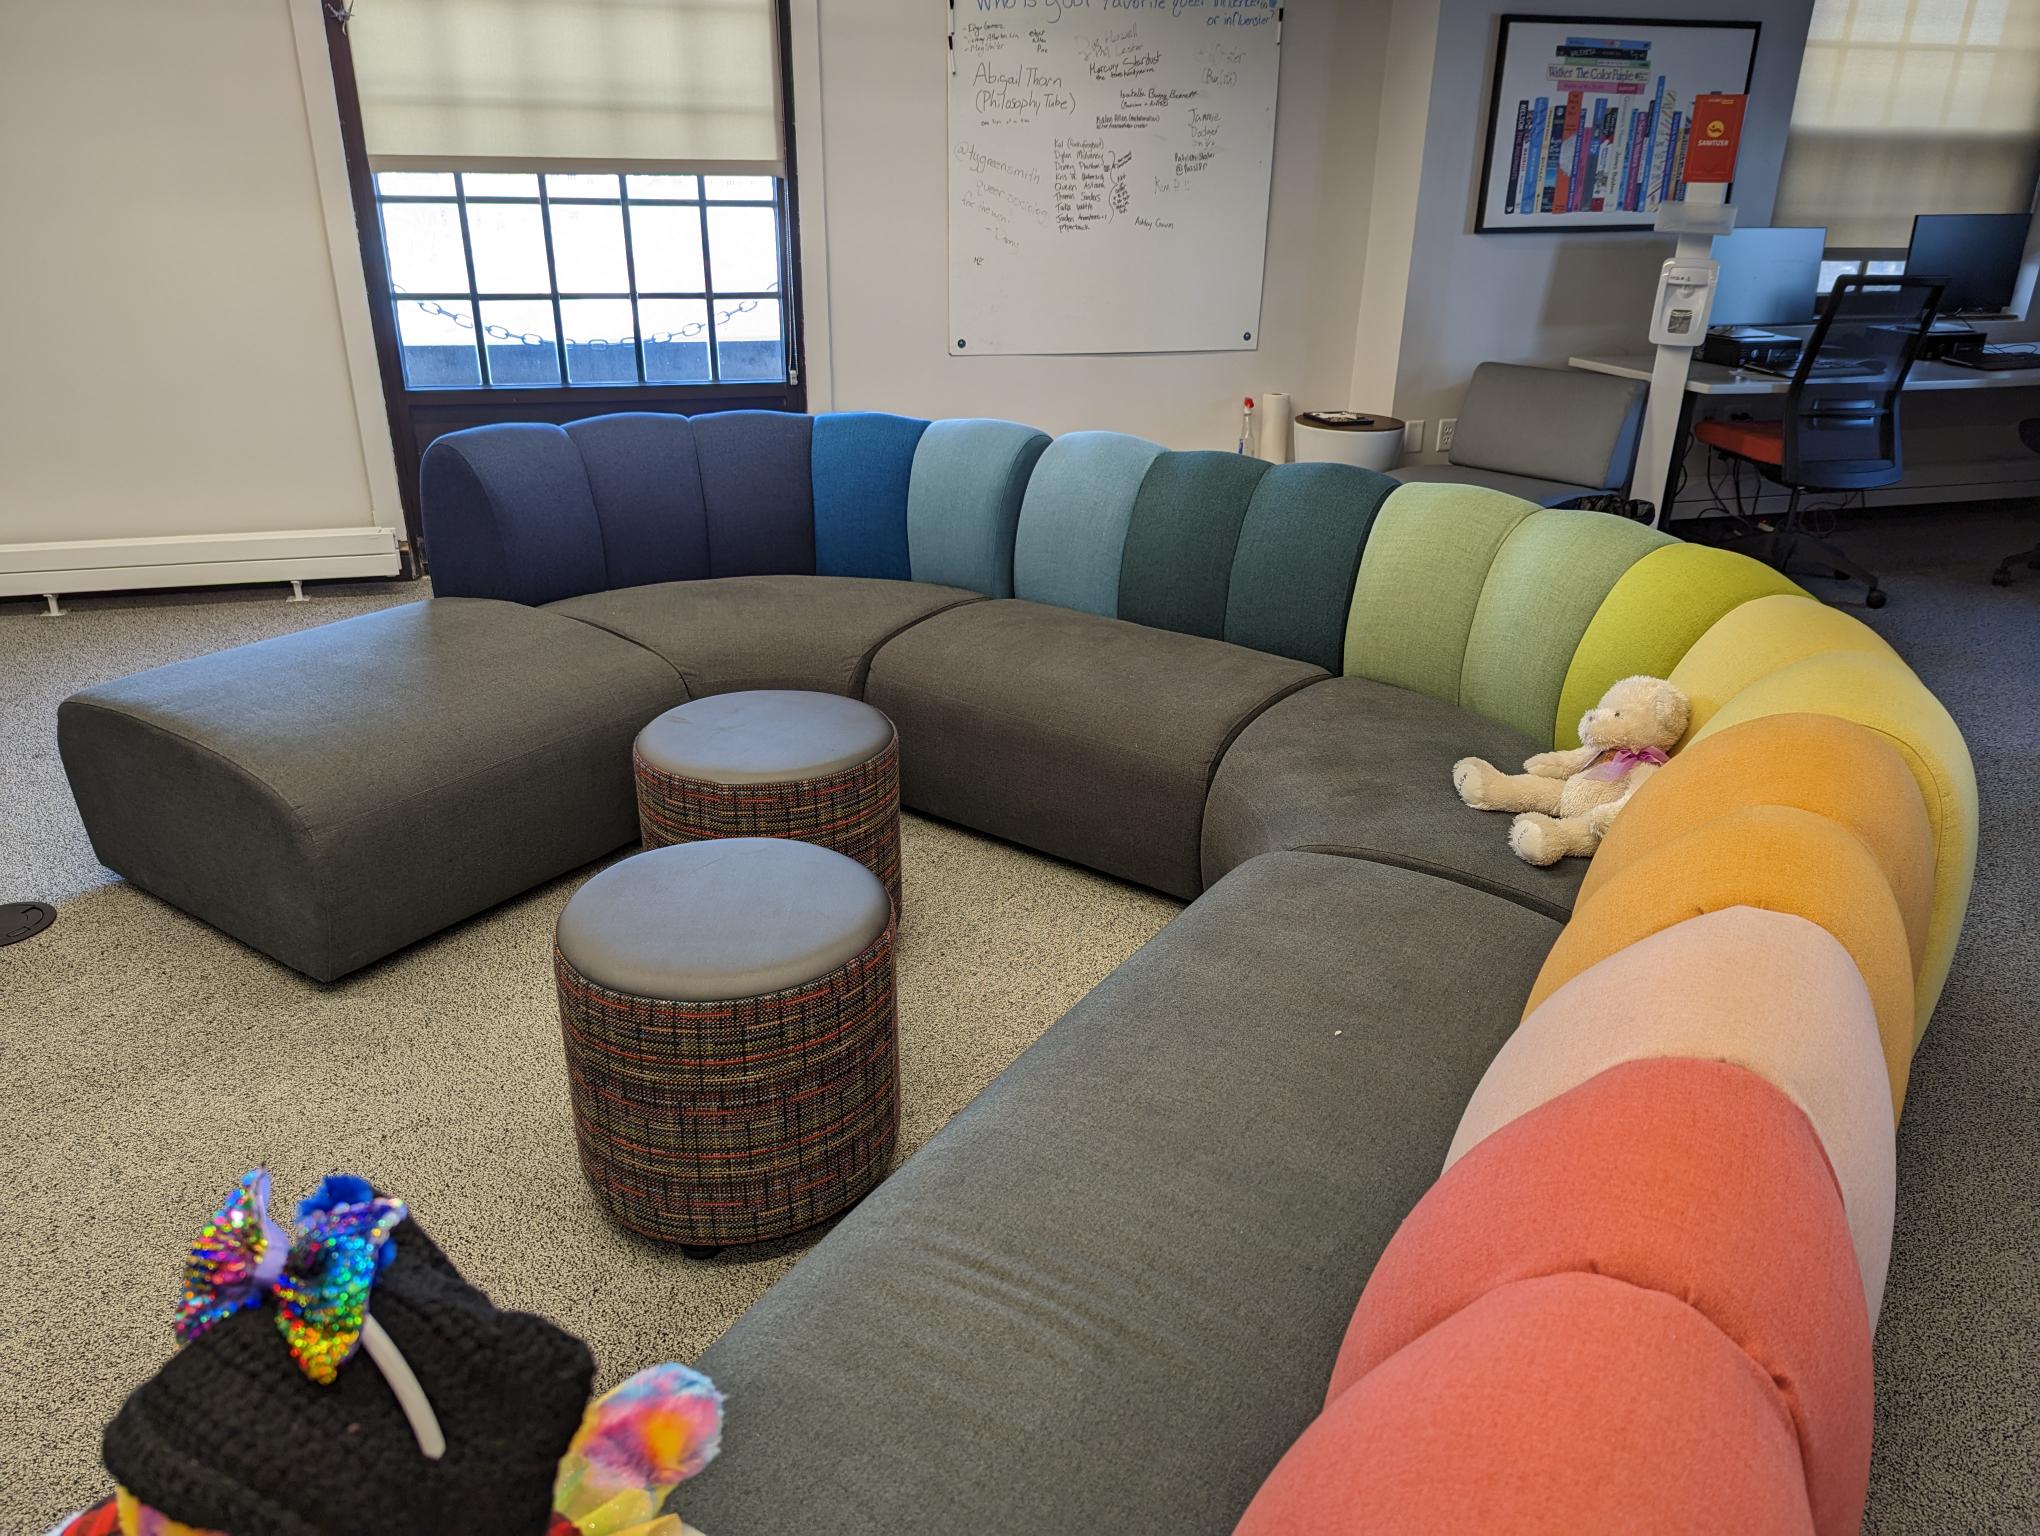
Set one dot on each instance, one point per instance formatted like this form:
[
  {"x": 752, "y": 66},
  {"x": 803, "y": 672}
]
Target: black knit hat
[{"x": 231, "y": 1436}]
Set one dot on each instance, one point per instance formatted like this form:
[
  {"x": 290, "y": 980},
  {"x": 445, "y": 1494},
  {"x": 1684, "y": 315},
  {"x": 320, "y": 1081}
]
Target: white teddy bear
[{"x": 1568, "y": 799}]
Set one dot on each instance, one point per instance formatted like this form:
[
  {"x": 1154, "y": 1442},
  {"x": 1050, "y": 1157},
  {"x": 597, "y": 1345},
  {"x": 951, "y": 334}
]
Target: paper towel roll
[{"x": 1274, "y": 435}]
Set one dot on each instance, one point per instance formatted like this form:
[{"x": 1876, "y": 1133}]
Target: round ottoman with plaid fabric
[
  {"x": 813, "y": 766},
  {"x": 730, "y": 1030}
]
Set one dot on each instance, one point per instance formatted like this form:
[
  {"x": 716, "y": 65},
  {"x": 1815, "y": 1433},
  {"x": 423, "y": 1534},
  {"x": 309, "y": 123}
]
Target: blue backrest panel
[
  {"x": 863, "y": 465},
  {"x": 1073, "y": 520},
  {"x": 508, "y": 514},
  {"x": 757, "y": 489},
  {"x": 647, "y": 487},
  {"x": 963, "y": 502}
]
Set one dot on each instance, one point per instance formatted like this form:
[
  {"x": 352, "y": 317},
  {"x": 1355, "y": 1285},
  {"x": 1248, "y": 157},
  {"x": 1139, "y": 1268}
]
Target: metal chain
[{"x": 534, "y": 339}]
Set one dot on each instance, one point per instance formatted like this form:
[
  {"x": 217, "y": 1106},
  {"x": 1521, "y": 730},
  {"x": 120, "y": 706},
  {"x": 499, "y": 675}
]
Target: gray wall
[{"x": 1537, "y": 298}]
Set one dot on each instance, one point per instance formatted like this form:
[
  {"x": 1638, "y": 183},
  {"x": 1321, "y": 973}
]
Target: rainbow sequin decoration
[
  {"x": 322, "y": 1294},
  {"x": 238, "y": 1255},
  {"x": 635, "y": 1444}
]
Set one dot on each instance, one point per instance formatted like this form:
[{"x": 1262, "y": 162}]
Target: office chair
[
  {"x": 2029, "y": 434},
  {"x": 1840, "y": 429}
]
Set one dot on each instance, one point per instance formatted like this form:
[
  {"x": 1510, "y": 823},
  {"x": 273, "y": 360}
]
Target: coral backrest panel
[
  {"x": 1297, "y": 559},
  {"x": 1072, "y": 535},
  {"x": 963, "y": 502},
  {"x": 863, "y": 467},
  {"x": 646, "y": 483}
]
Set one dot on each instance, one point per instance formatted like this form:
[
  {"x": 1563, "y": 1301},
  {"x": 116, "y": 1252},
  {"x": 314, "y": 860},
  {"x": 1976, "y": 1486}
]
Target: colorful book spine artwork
[
  {"x": 1653, "y": 160},
  {"x": 1533, "y": 157},
  {"x": 1556, "y": 148},
  {"x": 1673, "y": 155},
  {"x": 1516, "y": 154}
]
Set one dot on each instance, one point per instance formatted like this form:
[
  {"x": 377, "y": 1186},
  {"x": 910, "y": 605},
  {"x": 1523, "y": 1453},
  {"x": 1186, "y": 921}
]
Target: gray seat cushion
[
  {"x": 1085, "y": 737},
  {"x": 1107, "y": 1296},
  {"x": 1545, "y": 493},
  {"x": 333, "y": 795},
  {"x": 731, "y": 917},
  {"x": 737, "y": 632},
  {"x": 765, "y": 736},
  {"x": 1359, "y": 767}
]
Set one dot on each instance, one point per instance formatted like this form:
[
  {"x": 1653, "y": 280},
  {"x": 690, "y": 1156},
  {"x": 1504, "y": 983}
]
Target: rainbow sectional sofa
[{"x": 1395, "y": 1185}]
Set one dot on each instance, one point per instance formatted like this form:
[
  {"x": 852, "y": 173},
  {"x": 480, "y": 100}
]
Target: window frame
[{"x": 544, "y": 200}]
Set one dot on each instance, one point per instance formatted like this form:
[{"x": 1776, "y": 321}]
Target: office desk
[{"x": 1711, "y": 380}]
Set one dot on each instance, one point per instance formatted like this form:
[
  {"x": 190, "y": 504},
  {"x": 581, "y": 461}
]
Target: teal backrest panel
[
  {"x": 1299, "y": 552},
  {"x": 1073, "y": 521},
  {"x": 1177, "y": 569},
  {"x": 963, "y": 502}
]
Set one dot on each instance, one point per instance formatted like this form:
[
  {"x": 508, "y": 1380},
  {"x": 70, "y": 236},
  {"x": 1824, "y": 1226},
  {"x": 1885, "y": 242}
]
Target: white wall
[
  {"x": 876, "y": 74},
  {"x": 1538, "y": 298},
  {"x": 183, "y": 307}
]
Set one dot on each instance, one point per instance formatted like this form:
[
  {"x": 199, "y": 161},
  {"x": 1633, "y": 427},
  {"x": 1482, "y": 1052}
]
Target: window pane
[
  {"x": 751, "y": 189},
  {"x": 415, "y": 183},
  {"x": 425, "y": 249},
  {"x": 676, "y": 340},
  {"x": 1830, "y": 270},
  {"x": 601, "y": 346},
  {"x": 518, "y": 337},
  {"x": 509, "y": 247},
  {"x": 743, "y": 245},
  {"x": 747, "y": 344},
  {"x": 499, "y": 184},
  {"x": 665, "y": 187},
  {"x": 666, "y": 244},
  {"x": 438, "y": 342},
  {"x": 580, "y": 186},
  {"x": 588, "y": 248}
]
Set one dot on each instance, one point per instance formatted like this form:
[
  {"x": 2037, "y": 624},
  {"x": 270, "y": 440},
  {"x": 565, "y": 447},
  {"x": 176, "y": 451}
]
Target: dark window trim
[{"x": 416, "y": 416}]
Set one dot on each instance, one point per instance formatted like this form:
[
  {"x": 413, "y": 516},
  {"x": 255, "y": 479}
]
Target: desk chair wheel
[
  {"x": 2002, "y": 576},
  {"x": 1874, "y": 597}
]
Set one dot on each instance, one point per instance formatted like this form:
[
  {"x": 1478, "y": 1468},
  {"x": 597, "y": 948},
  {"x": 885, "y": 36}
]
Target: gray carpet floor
[{"x": 147, "y": 1061}]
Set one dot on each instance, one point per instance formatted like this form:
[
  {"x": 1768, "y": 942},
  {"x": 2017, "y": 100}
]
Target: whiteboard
[{"x": 1108, "y": 174}]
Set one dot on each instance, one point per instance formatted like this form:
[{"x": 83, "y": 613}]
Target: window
[
  {"x": 1912, "y": 106},
  {"x": 651, "y": 279}
]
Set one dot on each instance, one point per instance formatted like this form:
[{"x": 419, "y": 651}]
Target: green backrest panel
[
  {"x": 1650, "y": 619},
  {"x": 1298, "y": 556},
  {"x": 1176, "y": 572},
  {"x": 1547, "y": 581},
  {"x": 1073, "y": 521},
  {"x": 1420, "y": 580}
]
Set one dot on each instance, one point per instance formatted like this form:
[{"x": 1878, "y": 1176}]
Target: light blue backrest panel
[
  {"x": 963, "y": 502},
  {"x": 1073, "y": 520}
]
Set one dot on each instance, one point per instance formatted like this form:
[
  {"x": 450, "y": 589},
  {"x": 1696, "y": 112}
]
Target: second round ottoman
[
  {"x": 775, "y": 763},
  {"x": 731, "y": 1037}
]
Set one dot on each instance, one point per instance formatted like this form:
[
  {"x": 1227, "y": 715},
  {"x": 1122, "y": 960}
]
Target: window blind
[
  {"x": 564, "y": 85},
  {"x": 1912, "y": 106}
]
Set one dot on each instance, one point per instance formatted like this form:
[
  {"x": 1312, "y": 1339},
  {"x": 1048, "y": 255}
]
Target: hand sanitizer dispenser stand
[{"x": 1685, "y": 292}]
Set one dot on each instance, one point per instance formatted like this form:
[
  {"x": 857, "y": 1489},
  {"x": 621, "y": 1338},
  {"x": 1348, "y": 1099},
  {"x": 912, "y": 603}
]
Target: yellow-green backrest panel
[
  {"x": 1542, "y": 591},
  {"x": 1652, "y": 616},
  {"x": 1872, "y": 687},
  {"x": 1420, "y": 581},
  {"x": 1760, "y": 637}
]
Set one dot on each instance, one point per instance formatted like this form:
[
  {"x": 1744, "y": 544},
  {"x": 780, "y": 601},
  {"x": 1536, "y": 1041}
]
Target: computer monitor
[
  {"x": 1978, "y": 253},
  {"x": 1767, "y": 277}
]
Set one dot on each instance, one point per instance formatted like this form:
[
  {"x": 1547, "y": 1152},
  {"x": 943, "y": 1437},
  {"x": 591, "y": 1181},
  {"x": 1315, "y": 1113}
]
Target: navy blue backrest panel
[
  {"x": 647, "y": 488},
  {"x": 508, "y": 514},
  {"x": 863, "y": 462},
  {"x": 757, "y": 485}
]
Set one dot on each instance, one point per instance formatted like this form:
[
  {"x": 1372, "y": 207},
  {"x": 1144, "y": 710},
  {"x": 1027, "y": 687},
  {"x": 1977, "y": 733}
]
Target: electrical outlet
[
  {"x": 1446, "y": 426},
  {"x": 1413, "y": 437}
]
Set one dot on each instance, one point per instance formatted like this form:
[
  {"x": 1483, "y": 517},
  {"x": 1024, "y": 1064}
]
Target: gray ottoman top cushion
[
  {"x": 1108, "y": 1295},
  {"x": 766, "y": 736},
  {"x": 1353, "y": 766},
  {"x": 730, "y": 917},
  {"x": 765, "y": 631}
]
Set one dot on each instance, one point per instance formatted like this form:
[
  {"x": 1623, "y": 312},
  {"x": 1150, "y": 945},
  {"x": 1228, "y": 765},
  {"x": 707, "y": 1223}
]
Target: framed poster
[{"x": 1590, "y": 117}]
